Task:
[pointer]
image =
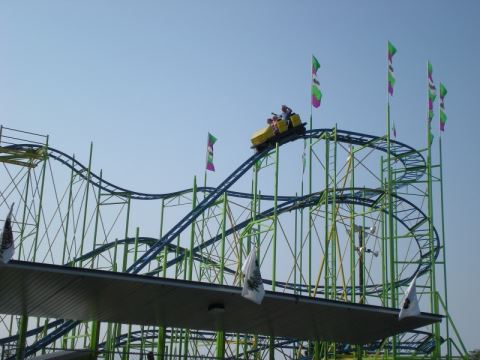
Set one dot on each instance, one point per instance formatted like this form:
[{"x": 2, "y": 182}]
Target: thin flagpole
[
  {"x": 204, "y": 195},
  {"x": 390, "y": 206},
  {"x": 310, "y": 191},
  {"x": 433, "y": 286},
  {"x": 449, "y": 346}
]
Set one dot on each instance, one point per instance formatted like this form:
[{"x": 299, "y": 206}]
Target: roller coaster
[{"x": 337, "y": 240}]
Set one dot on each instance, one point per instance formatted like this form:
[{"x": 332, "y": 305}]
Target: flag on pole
[
  {"x": 316, "y": 93},
  {"x": 7, "y": 248},
  {"x": 432, "y": 92},
  {"x": 211, "y": 140},
  {"x": 410, "y": 302},
  {"x": 253, "y": 284},
  {"x": 443, "y": 115},
  {"x": 391, "y": 77},
  {"x": 391, "y": 50},
  {"x": 432, "y": 95}
]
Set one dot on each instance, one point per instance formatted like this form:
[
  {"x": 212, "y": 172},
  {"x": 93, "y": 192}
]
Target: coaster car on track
[{"x": 267, "y": 137}]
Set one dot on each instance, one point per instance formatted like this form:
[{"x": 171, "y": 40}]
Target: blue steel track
[{"x": 413, "y": 169}]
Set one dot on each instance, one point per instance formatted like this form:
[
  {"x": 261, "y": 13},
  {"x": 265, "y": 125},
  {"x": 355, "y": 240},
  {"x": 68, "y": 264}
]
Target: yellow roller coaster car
[{"x": 266, "y": 137}]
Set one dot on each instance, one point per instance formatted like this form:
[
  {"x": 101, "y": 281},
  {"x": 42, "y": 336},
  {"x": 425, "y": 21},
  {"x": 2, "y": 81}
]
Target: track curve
[{"x": 414, "y": 167}]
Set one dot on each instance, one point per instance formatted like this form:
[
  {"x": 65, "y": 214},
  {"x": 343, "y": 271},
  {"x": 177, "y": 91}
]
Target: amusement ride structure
[{"x": 365, "y": 218}]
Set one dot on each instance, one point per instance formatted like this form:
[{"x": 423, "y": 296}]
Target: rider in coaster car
[
  {"x": 286, "y": 113},
  {"x": 273, "y": 123}
]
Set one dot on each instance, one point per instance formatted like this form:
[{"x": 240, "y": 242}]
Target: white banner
[
  {"x": 253, "y": 284},
  {"x": 7, "y": 248},
  {"x": 410, "y": 302}
]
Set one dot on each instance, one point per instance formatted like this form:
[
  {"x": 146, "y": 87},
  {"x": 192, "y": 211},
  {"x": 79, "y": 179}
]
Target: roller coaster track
[
  {"x": 421, "y": 342},
  {"x": 410, "y": 216},
  {"x": 414, "y": 167}
]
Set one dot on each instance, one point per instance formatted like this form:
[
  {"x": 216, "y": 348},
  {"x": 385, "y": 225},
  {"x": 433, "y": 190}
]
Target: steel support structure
[{"x": 358, "y": 234}]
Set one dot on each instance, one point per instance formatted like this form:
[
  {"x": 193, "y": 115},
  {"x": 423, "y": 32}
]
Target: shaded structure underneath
[{"x": 73, "y": 293}]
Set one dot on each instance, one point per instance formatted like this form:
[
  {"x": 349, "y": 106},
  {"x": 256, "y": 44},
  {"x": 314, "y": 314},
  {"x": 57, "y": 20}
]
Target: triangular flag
[
  {"x": 315, "y": 65},
  {"x": 410, "y": 302},
  {"x": 253, "y": 285},
  {"x": 7, "y": 248}
]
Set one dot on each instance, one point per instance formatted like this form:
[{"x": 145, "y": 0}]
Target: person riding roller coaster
[
  {"x": 286, "y": 126},
  {"x": 273, "y": 122},
  {"x": 286, "y": 113}
]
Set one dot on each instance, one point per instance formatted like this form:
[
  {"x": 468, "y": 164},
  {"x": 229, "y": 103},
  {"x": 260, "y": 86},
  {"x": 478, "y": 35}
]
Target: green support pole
[
  {"x": 271, "y": 348},
  {"x": 384, "y": 239},
  {"x": 142, "y": 341},
  {"x": 295, "y": 251},
  {"x": 255, "y": 208},
  {"x": 124, "y": 353},
  {"x": 334, "y": 219},
  {"x": 162, "y": 331},
  {"x": 69, "y": 206},
  {"x": 180, "y": 345},
  {"x": 300, "y": 255},
  {"x": 22, "y": 337},
  {"x": 333, "y": 236},
  {"x": 192, "y": 231},
  {"x": 220, "y": 353},
  {"x": 326, "y": 255},
  {"x": 44, "y": 333},
  {"x": 115, "y": 328},
  {"x": 274, "y": 240},
  {"x": 24, "y": 318},
  {"x": 222, "y": 245},
  {"x": 310, "y": 211},
  {"x": 162, "y": 336},
  {"x": 352, "y": 230},
  {"x": 327, "y": 191},
  {"x": 395, "y": 231},
  {"x": 22, "y": 229},
  {"x": 393, "y": 302},
  {"x": 40, "y": 205},
  {"x": 94, "y": 337},
  {"x": 109, "y": 342},
  {"x": 361, "y": 270},
  {"x": 316, "y": 351},
  {"x": 165, "y": 249},
  {"x": 449, "y": 345},
  {"x": 178, "y": 265},
  {"x": 97, "y": 216},
  {"x": 84, "y": 227},
  {"x": 185, "y": 266},
  {"x": 245, "y": 347},
  {"x": 172, "y": 336},
  {"x": 202, "y": 228},
  {"x": 135, "y": 249},
  {"x": 115, "y": 252},
  {"x": 135, "y": 256},
  {"x": 237, "y": 346},
  {"x": 275, "y": 221},
  {"x": 125, "y": 247},
  {"x": 190, "y": 263},
  {"x": 433, "y": 286},
  {"x": 185, "y": 344}
]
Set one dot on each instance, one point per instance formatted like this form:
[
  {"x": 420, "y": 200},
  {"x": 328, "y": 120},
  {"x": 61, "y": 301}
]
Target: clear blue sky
[{"x": 146, "y": 80}]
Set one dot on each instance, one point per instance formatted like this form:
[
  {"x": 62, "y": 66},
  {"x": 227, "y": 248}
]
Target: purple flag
[{"x": 211, "y": 140}]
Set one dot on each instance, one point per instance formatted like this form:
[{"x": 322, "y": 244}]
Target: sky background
[{"x": 146, "y": 80}]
